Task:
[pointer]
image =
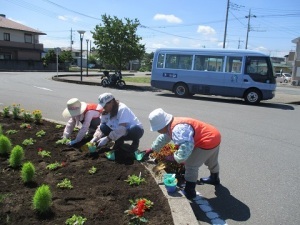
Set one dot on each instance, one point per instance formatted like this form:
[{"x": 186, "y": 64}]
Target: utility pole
[
  {"x": 248, "y": 27},
  {"x": 239, "y": 43},
  {"x": 225, "y": 32},
  {"x": 71, "y": 40}
]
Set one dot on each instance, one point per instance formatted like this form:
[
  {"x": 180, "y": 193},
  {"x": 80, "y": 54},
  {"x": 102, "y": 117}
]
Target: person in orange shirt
[{"x": 198, "y": 143}]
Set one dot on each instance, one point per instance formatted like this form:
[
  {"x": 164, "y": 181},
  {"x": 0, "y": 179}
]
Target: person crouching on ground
[
  {"x": 84, "y": 113},
  {"x": 198, "y": 143},
  {"x": 118, "y": 124}
]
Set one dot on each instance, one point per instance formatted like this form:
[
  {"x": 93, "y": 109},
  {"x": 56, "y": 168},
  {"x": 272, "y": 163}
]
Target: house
[{"x": 19, "y": 46}]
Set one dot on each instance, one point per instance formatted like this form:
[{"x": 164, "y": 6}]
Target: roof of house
[{"x": 9, "y": 24}]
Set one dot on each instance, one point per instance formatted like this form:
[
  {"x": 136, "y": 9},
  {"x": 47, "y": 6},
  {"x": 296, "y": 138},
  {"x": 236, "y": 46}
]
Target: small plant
[
  {"x": 76, "y": 129},
  {"x": 16, "y": 156},
  {"x": 135, "y": 180},
  {"x": 9, "y": 132},
  {"x": 42, "y": 199},
  {"x": 25, "y": 125},
  {"x": 58, "y": 126},
  {"x": 44, "y": 153},
  {"x": 137, "y": 210},
  {"x": 5, "y": 145},
  {"x": 4, "y": 196},
  {"x": 78, "y": 220},
  {"x": 37, "y": 116},
  {"x": 27, "y": 172},
  {"x": 29, "y": 141},
  {"x": 6, "y": 111},
  {"x": 40, "y": 133},
  {"x": 53, "y": 166},
  {"x": 27, "y": 116},
  {"x": 16, "y": 111},
  {"x": 65, "y": 184},
  {"x": 92, "y": 170},
  {"x": 63, "y": 141}
]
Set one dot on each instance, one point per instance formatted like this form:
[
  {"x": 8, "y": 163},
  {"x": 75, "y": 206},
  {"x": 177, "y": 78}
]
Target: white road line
[{"x": 46, "y": 89}]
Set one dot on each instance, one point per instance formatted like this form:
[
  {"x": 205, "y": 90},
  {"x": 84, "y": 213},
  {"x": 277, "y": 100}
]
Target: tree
[
  {"x": 65, "y": 56},
  {"x": 117, "y": 42},
  {"x": 146, "y": 64}
]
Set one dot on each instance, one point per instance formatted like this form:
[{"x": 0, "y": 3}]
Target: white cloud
[
  {"x": 206, "y": 30},
  {"x": 64, "y": 18},
  {"x": 176, "y": 41},
  {"x": 168, "y": 18}
]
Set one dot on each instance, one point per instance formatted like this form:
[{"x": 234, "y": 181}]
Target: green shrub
[
  {"x": 16, "y": 156},
  {"x": 42, "y": 199},
  {"x": 27, "y": 172},
  {"x": 5, "y": 145}
]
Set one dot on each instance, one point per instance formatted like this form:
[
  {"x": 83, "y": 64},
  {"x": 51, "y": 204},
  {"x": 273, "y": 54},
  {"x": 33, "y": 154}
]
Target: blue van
[{"x": 231, "y": 73}]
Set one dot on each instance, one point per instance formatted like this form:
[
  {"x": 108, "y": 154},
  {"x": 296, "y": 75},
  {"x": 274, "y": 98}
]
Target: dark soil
[{"x": 102, "y": 197}]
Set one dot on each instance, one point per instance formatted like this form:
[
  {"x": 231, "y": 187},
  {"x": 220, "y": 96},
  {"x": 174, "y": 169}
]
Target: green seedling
[
  {"x": 6, "y": 111},
  {"x": 135, "y": 180},
  {"x": 40, "y": 133},
  {"x": 27, "y": 116},
  {"x": 53, "y": 166},
  {"x": 29, "y": 141},
  {"x": 27, "y": 172},
  {"x": 5, "y": 145},
  {"x": 11, "y": 132},
  {"x": 92, "y": 170},
  {"x": 65, "y": 184},
  {"x": 79, "y": 220},
  {"x": 44, "y": 153},
  {"x": 76, "y": 129},
  {"x": 63, "y": 141},
  {"x": 25, "y": 125},
  {"x": 42, "y": 199},
  {"x": 58, "y": 126},
  {"x": 16, "y": 156},
  {"x": 16, "y": 110}
]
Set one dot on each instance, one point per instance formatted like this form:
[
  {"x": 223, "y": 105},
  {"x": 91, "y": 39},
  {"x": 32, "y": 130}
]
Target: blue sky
[{"x": 167, "y": 23}]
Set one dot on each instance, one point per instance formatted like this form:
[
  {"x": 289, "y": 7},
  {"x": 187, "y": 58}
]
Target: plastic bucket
[
  {"x": 110, "y": 155},
  {"x": 170, "y": 182},
  {"x": 139, "y": 155}
]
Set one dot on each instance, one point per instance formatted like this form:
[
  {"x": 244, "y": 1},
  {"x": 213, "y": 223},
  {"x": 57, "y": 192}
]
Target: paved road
[{"x": 259, "y": 155}]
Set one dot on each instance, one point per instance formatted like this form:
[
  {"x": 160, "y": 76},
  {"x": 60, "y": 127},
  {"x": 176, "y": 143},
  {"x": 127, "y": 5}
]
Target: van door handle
[{"x": 245, "y": 80}]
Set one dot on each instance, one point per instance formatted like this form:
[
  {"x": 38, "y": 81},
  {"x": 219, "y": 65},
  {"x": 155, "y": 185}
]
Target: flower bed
[{"x": 101, "y": 196}]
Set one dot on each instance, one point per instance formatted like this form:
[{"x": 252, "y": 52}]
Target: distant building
[{"x": 19, "y": 46}]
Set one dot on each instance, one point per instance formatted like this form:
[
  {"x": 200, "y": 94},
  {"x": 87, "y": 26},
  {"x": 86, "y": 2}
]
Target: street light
[
  {"x": 81, "y": 33},
  {"x": 87, "y": 57}
]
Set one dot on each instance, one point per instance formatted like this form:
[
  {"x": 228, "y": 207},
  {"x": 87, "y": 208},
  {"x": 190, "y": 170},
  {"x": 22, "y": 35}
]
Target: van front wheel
[
  {"x": 181, "y": 90},
  {"x": 252, "y": 96}
]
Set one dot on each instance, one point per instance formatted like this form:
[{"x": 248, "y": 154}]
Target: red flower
[
  {"x": 40, "y": 149},
  {"x": 63, "y": 164}
]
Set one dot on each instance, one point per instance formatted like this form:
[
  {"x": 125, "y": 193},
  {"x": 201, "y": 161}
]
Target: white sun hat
[
  {"x": 74, "y": 108},
  {"x": 159, "y": 119},
  {"x": 103, "y": 99}
]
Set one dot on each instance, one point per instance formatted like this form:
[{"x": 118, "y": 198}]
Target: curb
[{"x": 182, "y": 212}]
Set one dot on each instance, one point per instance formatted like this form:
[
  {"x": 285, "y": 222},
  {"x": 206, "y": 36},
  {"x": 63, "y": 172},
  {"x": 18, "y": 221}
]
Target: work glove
[
  {"x": 103, "y": 141},
  {"x": 70, "y": 143},
  {"x": 170, "y": 158},
  {"x": 93, "y": 140}
]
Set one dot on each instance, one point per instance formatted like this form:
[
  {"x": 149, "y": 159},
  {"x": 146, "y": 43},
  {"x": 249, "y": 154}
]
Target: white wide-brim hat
[
  {"x": 159, "y": 119},
  {"x": 74, "y": 108},
  {"x": 103, "y": 99}
]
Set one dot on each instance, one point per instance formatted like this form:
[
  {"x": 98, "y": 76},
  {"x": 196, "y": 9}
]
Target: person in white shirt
[
  {"x": 118, "y": 124},
  {"x": 81, "y": 112}
]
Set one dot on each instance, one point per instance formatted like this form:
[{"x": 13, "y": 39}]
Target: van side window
[
  {"x": 234, "y": 64},
  {"x": 160, "y": 61},
  {"x": 209, "y": 63},
  {"x": 179, "y": 61},
  {"x": 257, "y": 68}
]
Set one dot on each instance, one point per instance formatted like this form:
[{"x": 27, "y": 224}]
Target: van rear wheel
[
  {"x": 181, "y": 90},
  {"x": 252, "y": 96}
]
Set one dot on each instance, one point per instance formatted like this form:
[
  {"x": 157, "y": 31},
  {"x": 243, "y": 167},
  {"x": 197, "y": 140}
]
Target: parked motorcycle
[{"x": 112, "y": 79}]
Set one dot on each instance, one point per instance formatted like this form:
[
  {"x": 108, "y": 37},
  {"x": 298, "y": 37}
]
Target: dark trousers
[{"x": 134, "y": 134}]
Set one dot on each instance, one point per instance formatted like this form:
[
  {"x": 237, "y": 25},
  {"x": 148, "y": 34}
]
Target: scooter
[{"x": 112, "y": 79}]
